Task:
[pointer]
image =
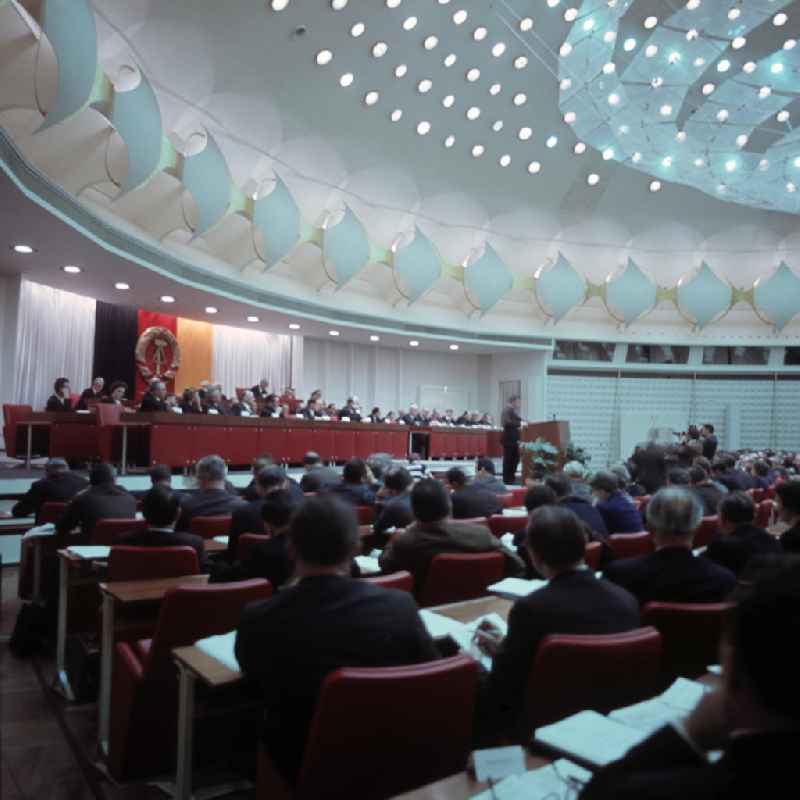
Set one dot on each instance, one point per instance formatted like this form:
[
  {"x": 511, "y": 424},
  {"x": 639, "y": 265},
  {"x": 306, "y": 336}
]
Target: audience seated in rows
[
  {"x": 753, "y": 717},
  {"x": 579, "y": 504},
  {"x": 787, "y": 500},
  {"x": 573, "y": 601},
  {"x": 471, "y": 500},
  {"x": 575, "y": 473},
  {"x": 317, "y": 476},
  {"x": 625, "y": 483},
  {"x": 673, "y": 574},
  {"x": 619, "y": 512},
  {"x": 741, "y": 539},
  {"x": 354, "y": 486},
  {"x": 760, "y": 472},
  {"x": 395, "y": 509},
  {"x": 160, "y": 507},
  {"x": 434, "y": 532},
  {"x": 707, "y": 492},
  {"x": 288, "y": 644},
  {"x": 58, "y": 485},
  {"x": 211, "y": 499},
  {"x": 102, "y": 500},
  {"x": 486, "y": 476}
]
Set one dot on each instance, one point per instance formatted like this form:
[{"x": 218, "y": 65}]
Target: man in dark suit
[
  {"x": 354, "y": 487},
  {"x": 709, "y": 441},
  {"x": 271, "y": 407},
  {"x": 434, "y": 533},
  {"x": 753, "y": 717},
  {"x": 214, "y": 404},
  {"x": 288, "y": 644},
  {"x": 160, "y": 507},
  {"x": 471, "y": 500},
  {"x": 395, "y": 511},
  {"x": 673, "y": 574},
  {"x": 617, "y": 509},
  {"x": 574, "y": 601},
  {"x": 211, "y": 499},
  {"x": 261, "y": 389},
  {"x": 511, "y": 423},
  {"x": 251, "y": 492},
  {"x": 102, "y": 500},
  {"x": 486, "y": 477},
  {"x": 650, "y": 465},
  {"x": 93, "y": 393},
  {"x": 413, "y": 417},
  {"x": 741, "y": 540},
  {"x": 707, "y": 493},
  {"x": 787, "y": 502},
  {"x": 317, "y": 476},
  {"x": 350, "y": 411},
  {"x": 58, "y": 485},
  {"x": 578, "y": 504},
  {"x": 60, "y": 399},
  {"x": 153, "y": 399}
]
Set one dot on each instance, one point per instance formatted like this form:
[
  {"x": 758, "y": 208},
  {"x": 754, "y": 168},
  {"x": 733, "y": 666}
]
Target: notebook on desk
[
  {"x": 220, "y": 648},
  {"x": 90, "y": 551},
  {"x": 514, "y": 588}
]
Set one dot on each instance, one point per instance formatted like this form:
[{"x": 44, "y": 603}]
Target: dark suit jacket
[
  {"x": 620, "y": 514},
  {"x": 672, "y": 575},
  {"x": 291, "y": 642},
  {"x": 709, "y": 447},
  {"x": 238, "y": 408},
  {"x": 744, "y": 543},
  {"x": 219, "y": 408},
  {"x": 395, "y": 513},
  {"x": 105, "y": 501},
  {"x": 352, "y": 415},
  {"x": 491, "y": 483},
  {"x": 710, "y": 496},
  {"x": 152, "y": 403},
  {"x": 52, "y": 488},
  {"x": 664, "y": 767},
  {"x": 86, "y": 396},
  {"x": 511, "y": 423},
  {"x": 573, "y": 602},
  {"x": 319, "y": 478},
  {"x": 259, "y": 394},
  {"x": 245, "y": 519},
  {"x": 56, "y": 403},
  {"x": 207, "y": 503},
  {"x": 583, "y": 508},
  {"x": 414, "y": 549},
  {"x": 269, "y": 560},
  {"x": 359, "y": 494},
  {"x": 475, "y": 501},
  {"x": 790, "y": 540},
  {"x": 165, "y": 538},
  {"x": 651, "y": 468}
]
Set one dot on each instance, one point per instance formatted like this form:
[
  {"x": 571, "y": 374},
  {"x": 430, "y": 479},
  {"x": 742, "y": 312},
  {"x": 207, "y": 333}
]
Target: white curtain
[
  {"x": 242, "y": 357},
  {"x": 55, "y": 338}
]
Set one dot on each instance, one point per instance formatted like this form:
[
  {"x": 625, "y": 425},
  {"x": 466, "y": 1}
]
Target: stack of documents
[
  {"x": 368, "y": 565},
  {"x": 514, "y": 588},
  {"x": 650, "y": 715},
  {"x": 560, "y": 779}
]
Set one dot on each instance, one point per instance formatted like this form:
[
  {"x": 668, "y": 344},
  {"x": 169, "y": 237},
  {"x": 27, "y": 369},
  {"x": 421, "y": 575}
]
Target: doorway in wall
[{"x": 507, "y": 390}]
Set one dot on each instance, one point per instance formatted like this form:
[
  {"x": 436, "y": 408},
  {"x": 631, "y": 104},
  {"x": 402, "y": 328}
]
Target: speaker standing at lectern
[{"x": 511, "y": 422}]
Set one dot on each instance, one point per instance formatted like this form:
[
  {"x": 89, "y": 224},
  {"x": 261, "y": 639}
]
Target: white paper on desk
[
  {"x": 368, "y": 565},
  {"x": 683, "y": 694},
  {"x": 221, "y": 539},
  {"x": 515, "y": 512},
  {"x": 714, "y": 669},
  {"x": 515, "y": 587},
  {"x": 221, "y": 648},
  {"x": 508, "y": 540},
  {"x": 48, "y": 529},
  {"x": 499, "y": 762},
  {"x": 139, "y": 515},
  {"x": 650, "y": 715},
  {"x": 547, "y": 781},
  {"x": 88, "y": 551},
  {"x": 590, "y": 738},
  {"x": 467, "y": 640},
  {"x": 439, "y": 626}
]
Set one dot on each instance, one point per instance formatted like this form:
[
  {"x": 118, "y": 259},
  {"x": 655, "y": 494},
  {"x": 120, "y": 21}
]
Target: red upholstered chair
[
  {"x": 707, "y": 532},
  {"x": 498, "y": 524},
  {"x": 471, "y": 521},
  {"x": 379, "y": 732},
  {"x": 107, "y": 531},
  {"x": 12, "y": 414},
  {"x": 397, "y": 580},
  {"x": 144, "y": 691},
  {"x": 209, "y": 527},
  {"x": 624, "y": 669},
  {"x": 518, "y": 496},
  {"x": 690, "y": 632},
  {"x": 771, "y": 492},
  {"x": 50, "y": 512},
  {"x": 107, "y": 419},
  {"x": 74, "y": 399},
  {"x": 628, "y": 545},
  {"x": 757, "y": 495},
  {"x": 453, "y": 577},
  {"x": 246, "y": 541},
  {"x": 145, "y": 563},
  {"x": 592, "y": 553},
  {"x": 366, "y": 514},
  {"x": 641, "y": 503},
  {"x": 508, "y": 499},
  {"x": 763, "y": 513}
]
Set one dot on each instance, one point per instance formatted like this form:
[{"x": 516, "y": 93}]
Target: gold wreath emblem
[{"x": 158, "y": 354}]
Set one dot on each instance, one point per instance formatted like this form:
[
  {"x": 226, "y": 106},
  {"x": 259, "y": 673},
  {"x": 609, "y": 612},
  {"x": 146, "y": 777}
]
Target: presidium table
[{"x": 141, "y": 439}]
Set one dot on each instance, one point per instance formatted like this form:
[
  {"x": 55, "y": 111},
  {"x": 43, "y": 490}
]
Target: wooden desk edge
[
  {"x": 139, "y": 591},
  {"x": 211, "y": 671}
]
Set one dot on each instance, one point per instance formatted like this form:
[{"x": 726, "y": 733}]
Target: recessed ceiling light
[
  {"x": 699, "y": 62},
  {"x": 324, "y": 57},
  {"x": 797, "y": 162},
  {"x": 498, "y": 49},
  {"x": 790, "y": 187},
  {"x": 674, "y": 57},
  {"x": 211, "y": 309},
  {"x": 749, "y": 67},
  {"x": 609, "y": 36},
  {"x": 565, "y": 84},
  {"x": 609, "y": 68},
  {"x": 666, "y": 161},
  {"x": 525, "y": 24},
  {"x": 338, "y": 5},
  {"x": 450, "y": 59},
  {"x": 571, "y": 14},
  {"x": 372, "y": 97},
  {"x": 565, "y": 49},
  {"x": 413, "y": 343},
  {"x": 734, "y": 13},
  {"x": 460, "y": 17},
  {"x": 763, "y": 165},
  {"x": 551, "y": 141},
  {"x": 764, "y": 92},
  {"x": 393, "y": 3},
  {"x": 478, "y": 150},
  {"x": 494, "y": 89},
  {"x": 525, "y": 133},
  {"x": 520, "y": 98},
  {"x": 479, "y": 34},
  {"x": 722, "y": 114},
  {"x": 357, "y": 29},
  {"x": 252, "y": 318},
  {"x": 738, "y": 42},
  {"x": 650, "y": 23},
  {"x": 473, "y": 74},
  {"x": 379, "y": 49},
  {"x": 593, "y": 179},
  {"x": 613, "y": 99},
  {"x": 346, "y": 79},
  {"x": 579, "y": 149},
  {"x": 790, "y": 44},
  {"x": 651, "y": 50},
  {"x": 278, "y": 5},
  {"x": 776, "y": 68},
  {"x": 504, "y": 160},
  {"x": 454, "y": 347},
  {"x": 497, "y": 125},
  {"x": 424, "y": 85},
  {"x": 665, "y": 110},
  {"x": 628, "y": 45},
  {"x": 448, "y": 100},
  {"x": 374, "y": 338},
  {"x": 520, "y": 62},
  {"x": 397, "y": 115},
  {"x": 553, "y": 3},
  {"x": 409, "y": 23},
  {"x": 693, "y": 4},
  {"x": 657, "y": 82},
  {"x": 23, "y": 249},
  {"x": 430, "y": 42},
  {"x": 741, "y": 139},
  {"x": 423, "y": 128},
  {"x": 294, "y": 326},
  {"x": 708, "y": 88},
  {"x": 779, "y": 19},
  {"x": 730, "y": 165},
  {"x": 473, "y": 113},
  {"x": 450, "y": 140},
  {"x": 333, "y": 333},
  {"x": 122, "y": 286},
  {"x": 71, "y": 269},
  {"x": 699, "y": 162},
  {"x": 655, "y": 186},
  {"x": 534, "y": 167},
  {"x": 400, "y": 70},
  {"x": 723, "y": 65},
  {"x": 636, "y": 157},
  {"x": 783, "y": 116},
  {"x": 608, "y": 153},
  {"x": 167, "y": 298},
  {"x": 570, "y": 117}
]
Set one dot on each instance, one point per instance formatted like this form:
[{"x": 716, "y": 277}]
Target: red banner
[{"x": 156, "y": 350}]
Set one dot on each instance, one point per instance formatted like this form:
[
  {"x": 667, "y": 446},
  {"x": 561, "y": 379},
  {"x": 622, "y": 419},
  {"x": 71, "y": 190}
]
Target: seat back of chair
[
  {"x": 246, "y": 541},
  {"x": 472, "y": 521},
  {"x": 209, "y": 527},
  {"x": 379, "y": 732},
  {"x": 518, "y": 495},
  {"x": 107, "y": 531},
  {"x": 628, "y": 545},
  {"x": 574, "y": 673},
  {"x": 193, "y": 612},
  {"x": 396, "y": 580},
  {"x": 592, "y": 554},
  {"x": 764, "y": 513},
  {"x": 691, "y": 634},
  {"x": 500, "y": 524},
  {"x": 507, "y": 499},
  {"x": 144, "y": 563},
  {"x": 707, "y": 532},
  {"x": 453, "y": 577},
  {"x": 107, "y": 413},
  {"x": 757, "y": 495},
  {"x": 12, "y": 415},
  {"x": 50, "y": 511},
  {"x": 366, "y": 514}
]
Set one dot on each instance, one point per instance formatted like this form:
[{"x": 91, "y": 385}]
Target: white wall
[{"x": 9, "y": 307}]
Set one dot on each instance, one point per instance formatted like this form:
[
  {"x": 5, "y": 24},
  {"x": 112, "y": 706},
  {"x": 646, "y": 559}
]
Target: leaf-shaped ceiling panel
[
  {"x": 487, "y": 279},
  {"x": 416, "y": 267},
  {"x": 703, "y": 297},
  {"x": 560, "y": 288},
  {"x": 208, "y": 179},
  {"x": 277, "y": 217},
  {"x": 777, "y": 298},
  {"x": 346, "y": 248},
  {"x": 630, "y": 293}
]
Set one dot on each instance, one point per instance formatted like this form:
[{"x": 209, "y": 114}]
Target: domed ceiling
[{"x": 606, "y": 169}]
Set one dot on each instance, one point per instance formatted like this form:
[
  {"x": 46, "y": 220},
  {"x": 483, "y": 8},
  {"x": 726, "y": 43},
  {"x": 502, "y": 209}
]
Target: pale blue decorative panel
[
  {"x": 277, "y": 217},
  {"x": 346, "y": 247},
  {"x": 207, "y": 177},
  {"x": 70, "y": 28},
  {"x": 630, "y": 294},
  {"x": 703, "y": 297},
  {"x": 487, "y": 279},
  {"x": 417, "y": 267},
  {"x": 778, "y": 297},
  {"x": 560, "y": 288}
]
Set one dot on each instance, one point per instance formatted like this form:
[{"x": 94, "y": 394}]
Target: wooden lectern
[{"x": 555, "y": 432}]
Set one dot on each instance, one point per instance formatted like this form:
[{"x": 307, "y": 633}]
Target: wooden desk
[
  {"x": 125, "y": 593},
  {"x": 468, "y": 610}
]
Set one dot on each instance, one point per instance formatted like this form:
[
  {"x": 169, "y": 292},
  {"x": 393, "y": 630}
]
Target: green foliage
[
  {"x": 547, "y": 456},
  {"x": 575, "y": 453}
]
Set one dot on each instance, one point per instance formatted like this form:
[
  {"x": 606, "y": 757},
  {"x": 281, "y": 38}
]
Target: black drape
[{"x": 115, "y": 335}]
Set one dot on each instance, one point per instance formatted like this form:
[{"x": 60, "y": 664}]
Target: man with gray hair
[
  {"x": 576, "y": 473},
  {"x": 211, "y": 499},
  {"x": 58, "y": 485},
  {"x": 673, "y": 574},
  {"x": 153, "y": 399}
]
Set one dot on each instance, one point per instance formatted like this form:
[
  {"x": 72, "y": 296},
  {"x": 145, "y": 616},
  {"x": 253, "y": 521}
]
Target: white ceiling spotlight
[
  {"x": 551, "y": 142},
  {"x": 424, "y": 86},
  {"x": 655, "y": 186},
  {"x": 397, "y": 115},
  {"x": 379, "y": 49},
  {"x": 167, "y": 298},
  {"x": 525, "y": 133},
  {"x": 534, "y": 167},
  {"x": 692, "y": 5},
  {"x": 423, "y": 128},
  {"x": 371, "y": 97},
  {"x": 374, "y": 338},
  {"x": 520, "y": 62},
  {"x": 520, "y": 98},
  {"x": 504, "y": 160},
  {"x": 494, "y": 89},
  {"x": 613, "y": 99},
  {"x": 651, "y": 50},
  {"x": 730, "y": 165},
  {"x": 454, "y": 347},
  {"x": 579, "y": 149},
  {"x": 783, "y": 116},
  {"x": 571, "y": 14},
  {"x": 723, "y": 65},
  {"x": 570, "y": 117},
  {"x": 122, "y": 286},
  {"x": 738, "y": 42},
  {"x": 525, "y": 24},
  {"x": 741, "y": 140},
  {"x": 479, "y": 34},
  {"x": 449, "y": 140},
  {"x": 400, "y": 71},
  {"x": 211, "y": 310},
  {"x": 448, "y": 100},
  {"x": 346, "y": 79},
  {"x": 450, "y": 59},
  {"x": 497, "y": 125},
  {"x": 790, "y": 44},
  {"x": 565, "y": 49},
  {"x": 764, "y": 92},
  {"x": 294, "y": 326},
  {"x": 473, "y": 112},
  {"x": 722, "y": 115},
  {"x": 338, "y": 5},
  {"x": 665, "y": 110},
  {"x": 473, "y": 74},
  {"x": 324, "y": 57},
  {"x": 478, "y": 150},
  {"x": 749, "y": 66},
  {"x": 252, "y": 318},
  {"x": 779, "y": 20},
  {"x": 666, "y": 161},
  {"x": 430, "y": 42},
  {"x": 609, "y": 68},
  {"x": 650, "y": 23},
  {"x": 393, "y": 3},
  {"x": 357, "y": 29},
  {"x": 608, "y": 153},
  {"x": 413, "y": 343},
  {"x": 333, "y": 333},
  {"x": 278, "y": 5},
  {"x": 708, "y": 88},
  {"x": 691, "y": 34},
  {"x": 409, "y": 23},
  {"x": 71, "y": 269},
  {"x": 460, "y": 17},
  {"x": 23, "y": 249},
  {"x": 498, "y": 49},
  {"x": 790, "y": 187},
  {"x": 592, "y": 179},
  {"x": 629, "y": 44}
]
